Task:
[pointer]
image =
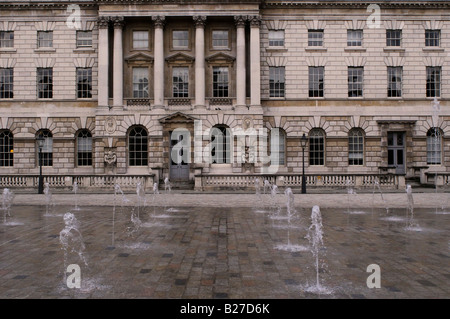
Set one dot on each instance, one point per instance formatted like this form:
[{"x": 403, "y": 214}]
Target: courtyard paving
[{"x": 227, "y": 245}]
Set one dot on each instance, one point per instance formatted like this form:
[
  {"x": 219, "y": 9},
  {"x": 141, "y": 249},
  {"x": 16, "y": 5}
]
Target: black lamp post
[
  {"x": 40, "y": 142},
  {"x": 303, "y": 142}
]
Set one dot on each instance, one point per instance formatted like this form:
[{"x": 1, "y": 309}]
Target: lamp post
[
  {"x": 40, "y": 142},
  {"x": 303, "y": 142}
]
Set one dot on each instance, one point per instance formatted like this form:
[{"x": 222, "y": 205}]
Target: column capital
[
  {"x": 199, "y": 21},
  {"x": 159, "y": 21},
  {"x": 103, "y": 22},
  {"x": 255, "y": 21},
  {"x": 118, "y": 21},
  {"x": 240, "y": 21}
]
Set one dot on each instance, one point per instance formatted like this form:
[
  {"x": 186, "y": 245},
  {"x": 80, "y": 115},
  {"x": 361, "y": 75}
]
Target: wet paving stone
[
  {"x": 180, "y": 282},
  {"x": 144, "y": 271},
  {"x": 20, "y": 277},
  {"x": 221, "y": 295},
  {"x": 123, "y": 255},
  {"x": 426, "y": 283}
]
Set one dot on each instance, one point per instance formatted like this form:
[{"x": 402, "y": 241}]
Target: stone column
[
  {"x": 255, "y": 65},
  {"x": 158, "y": 77},
  {"x": 199, "y": 61},
  {"x": 240, "y": 61},
  {"x": 118, "y": 62},
  {"x": 103, "y": 61}
]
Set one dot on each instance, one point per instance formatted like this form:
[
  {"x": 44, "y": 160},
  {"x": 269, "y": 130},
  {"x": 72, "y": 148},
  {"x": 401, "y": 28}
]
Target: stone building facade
[{"x": 117, "y": 87}]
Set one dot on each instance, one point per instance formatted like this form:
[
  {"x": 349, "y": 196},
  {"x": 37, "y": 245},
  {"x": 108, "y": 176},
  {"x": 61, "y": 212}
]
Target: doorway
[
  {"x": 179, "y": 166},
  {"x": 396, "y": 151}
]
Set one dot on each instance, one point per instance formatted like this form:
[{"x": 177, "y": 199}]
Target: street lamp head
[
  {"x": 304, "y": 140},
  {"x": 40, "y": 141}
]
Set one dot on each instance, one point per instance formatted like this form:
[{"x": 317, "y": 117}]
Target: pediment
[
  {"x": 220, "y": 57},
  {"x": 180, "y": 57},
  {"x": 139, "y": 56},
  {"x": 177, "y": 117}
]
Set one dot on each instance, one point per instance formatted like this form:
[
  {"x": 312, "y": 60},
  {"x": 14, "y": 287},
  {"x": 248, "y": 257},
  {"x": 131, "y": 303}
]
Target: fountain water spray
[
  {"x": 276, "y": 208},
  {"x": 315, "y": 237},
  {"x": 75, "y": 190},
  {"x": 71, "y": 241},
  {"x": 411, "y": 223},
  {"x": 267, "y": 186},
  {"x": 167, "y": 185},
  {"x": 140, "y": 191},
  {"x": 436, "y": 110},
  {"x": 48, "y": 198},
  {"x": 7, "y": 199},
  {"x": 117, "y": 190},
  {"x": 376, "y": 185},
  {"x": 257, "y": 187}
]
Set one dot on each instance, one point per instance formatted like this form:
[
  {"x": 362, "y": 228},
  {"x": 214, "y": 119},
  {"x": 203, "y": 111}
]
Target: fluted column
[
  {"x": 103, "y": 61},
  {"x": 255, "y": 65},
  {"x": 240, "y": 61},
  {"x": 159, "y": 61},
  {"x": 199, "y": 61},
  {"x": 118, "y": 62}
]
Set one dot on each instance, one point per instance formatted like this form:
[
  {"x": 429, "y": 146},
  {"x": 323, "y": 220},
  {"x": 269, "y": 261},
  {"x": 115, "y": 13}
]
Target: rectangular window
[
  {"x": 45, "y": 39},
  {"x": 140, "y": 40},
  {"x": 394, "y": 81},
  {"x": 315, "y": 38},
  {"x": 180, "y": 82},
  {"x": 140, "y": 82},
  {"x": 354, "y": 38},
  {"x": 180, "y": 39},
  {"x": 433, "y": 81},
  {"x": 220, "y": 81},
  {"x": 220, "y": 39},
  {"x": 45, "y": 83},
  {"x": 276, "y": 81},
  {"x": 84, "y": 39},
  {"x": 432, "y": 38},
  {"x": 355, "y": 81},
  {"x": 316, "y": 81},
  {"x": 6, "y": 39},
  {"x": 393, "y": 38},
  {"x": 6, "y": 83},
  {"x": 276, "y": 38},
  {"x": 84, "y": 83}
]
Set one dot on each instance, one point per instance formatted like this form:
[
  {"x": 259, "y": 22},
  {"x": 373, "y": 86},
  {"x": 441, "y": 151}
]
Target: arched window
[
  {"x": 84, "y": 148},
  {"x": 6, "y": 148},
  {"x": 47, "y": 149},
  {"x": 138, "y": 146},
  {"x": 316, "y": 147},
  {"x": 355, "y": 147},
  {"x": 277, "y": 146},
  {"x": 220, "y": 145},
  {"x": 434, "y": 146}
]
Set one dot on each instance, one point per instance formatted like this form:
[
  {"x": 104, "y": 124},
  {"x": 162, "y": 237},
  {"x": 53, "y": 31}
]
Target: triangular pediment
[
  {"x": 180, "y": 57},
  {"x": 220, "y": 57},
  {"x": 139, "y": 56},
  {"x": 177, "y": 117}
]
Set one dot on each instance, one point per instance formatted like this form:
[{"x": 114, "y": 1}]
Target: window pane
[
  {"x": 6, "y": 39},
  {"x": 46, "y": 157},
  {"x": 276, "y": 81},
  {"x": 45, "y": 83},
  {"x": 276, "y": 38},
  {"x": 6, "y": 148},
  {"x": 84, "y": 83},
  {"x": 84, "y": 148},
  {"x": 355, "y": 147},
  {"x": 180, "y": 39},
  {"x": 140, "y": 82},
  {"x": 315, "y": 37},
  {"x": 140, "y": 40},
  {"x": 354, "y": 38},
  {"x": 180, "y": 81},
  {"x": 220, "y": 145},
  {"x": 393, "y": 37},
  {"x": 6, "y": 83},
  {"x": 434, "y": 81},
  {"x": 355, "y": 82},
  {"x": 45, "y": 39},
  {"x": 395, "y": 81},
  {"x": 432, "y": 38},
  {"x": 220, "y": 38},
  {"x": 84, "y": 39},
  {"x": 316, "y": 87},
  {"x": 277, "y": 147},
  {"x": 434, "y": 146},
  {"x": 220, "y": 82},
  {"x": 316, "y": 148},
  {"x": 138, "y": 147}
]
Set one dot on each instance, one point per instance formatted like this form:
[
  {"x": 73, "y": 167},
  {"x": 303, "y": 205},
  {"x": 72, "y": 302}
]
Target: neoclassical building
[{"x": 214, "y": 94}]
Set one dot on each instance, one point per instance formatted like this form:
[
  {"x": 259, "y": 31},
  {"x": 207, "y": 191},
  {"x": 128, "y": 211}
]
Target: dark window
[
  {"x": 140, "y": 82},
  {"x": 180, "y": 82},
  {"x": 6, "y": 148},
  {"x": 315, "y": 75},
  {"x": 433, "y": 81},
  {"x": 6, "y": 83},
  {"x": 84, "y": 148},
  {"x": 315, "y": 38},
  {"x": 220, "y": 38},
  {"x": 45, "y": 83},
  {"x": 46, "y": 157},
  {"x": 84, "y": 83},
  {"x": 395, "y": 81},
  {"x": 6, "y": 39},
  {"x": 138, "y": 146},
  {"x": 276, "y": 81},
  {"x": 355, "y": 81},
  {"x": 434, "y": 146},
  {"x": 180, "y": 39},
  {"x": 45, "y": 39},
  {"x": 316, "y": 147},
  {"x": 393, "y": 38},
  {"x": 220, "y": 82},
  {"x": 432, "y": 38},
  {"x": 220, "y": 145},
  {"x": 355, "y": 147}
]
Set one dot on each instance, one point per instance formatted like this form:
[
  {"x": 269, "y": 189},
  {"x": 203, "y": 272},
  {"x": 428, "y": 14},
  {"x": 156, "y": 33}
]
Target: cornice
[{"x": 354, "y": 4}]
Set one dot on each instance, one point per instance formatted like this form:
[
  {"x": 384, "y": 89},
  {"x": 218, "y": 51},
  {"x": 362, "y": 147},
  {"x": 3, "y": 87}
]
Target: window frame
[
  {"x": 84, "y": 158},
  {"x": 47, "y": 149},
  {"x": 434, "y": 147},
  {"x": 316, "y": 147},
  {"x": 6, "y": 148},
  {"x": 280, "y": 147},
  {"x": 390, "y": 40},
  {"x": 431, "y": 42},
  {"x": 86, "y": 88},
  {"x": 40, "y": 42},
  {"x": 277, "y": 82},
  {"x": 431, "y": 89},
  {"x": 135, "y": 31},
  {"x": 4, "y": 93},
  {"x": 80, "y": 41},
  {"x": 215, "y": 82},
  {"x": 227, "y": 144},
  {"x": 357, "y": 86},
  {"x": 276, "y": 42},
  {"x": 356, "y": 137},
  {"x": 312, "y": 83},
  {"x": 144, "y": 92},
  {"x": 353, "y": 42},
  {"x": 4, "y": 41},
  {"x": 392, "y": 84},
  {"x": 180, "y": 47},
  {"x": 132, "y": 142},
  {"x": 184, "y": 92},
  {"x": 312, "y": 40},
  {"x": 40, "y": 87},
  {"x": 228, "y": 39}
]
